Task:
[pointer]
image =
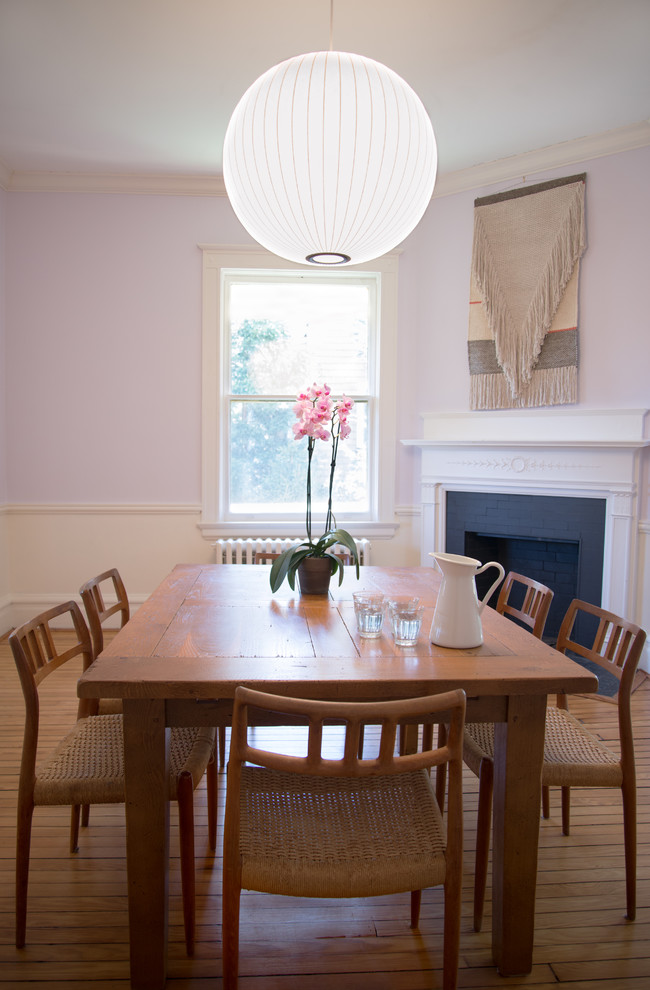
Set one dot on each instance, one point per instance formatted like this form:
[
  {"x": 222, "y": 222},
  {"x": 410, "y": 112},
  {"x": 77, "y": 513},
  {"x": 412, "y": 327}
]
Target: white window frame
[{"x": 380, "y": 521}]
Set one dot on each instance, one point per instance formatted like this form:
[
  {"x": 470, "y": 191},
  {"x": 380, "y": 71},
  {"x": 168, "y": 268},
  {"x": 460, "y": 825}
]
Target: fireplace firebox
[{"x": 558, "y": 541}]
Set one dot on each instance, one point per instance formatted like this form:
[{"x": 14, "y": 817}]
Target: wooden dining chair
[
  {"x": 313, "y": 826},
  {"x": 87, "y": 767},
  {"x": 265, "y": 556},
  {"x": 268, "y": 556},
  {"x": 94, "y": 594},
  {"x": 526, "y": 601},
  {"x": 573, "y": 756}
]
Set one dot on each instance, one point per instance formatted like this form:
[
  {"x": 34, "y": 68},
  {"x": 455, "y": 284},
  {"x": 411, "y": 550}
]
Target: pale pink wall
[
  {"x": 103, "y": 326},
  {"x": 104, "y": 345},
  {"x": 614, "y": 370}
]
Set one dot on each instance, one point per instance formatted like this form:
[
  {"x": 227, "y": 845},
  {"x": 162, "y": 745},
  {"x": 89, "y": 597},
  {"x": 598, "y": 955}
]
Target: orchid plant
[{"x": 318, "y": 417}]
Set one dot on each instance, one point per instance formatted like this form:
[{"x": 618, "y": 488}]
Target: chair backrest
[
  {"x": 615, "y": 645},
  {"x": 267, "y": 557},
  {"x": 92, "y": 594},
  {"x": 537, "y": 598},
  {"x": 37, "y": 655},
  {"x": 449, "y": 706}
]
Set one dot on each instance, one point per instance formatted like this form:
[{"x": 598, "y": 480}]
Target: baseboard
[
  {"x": 6, "y": 623},
  {"x": 644, "y": 662}
]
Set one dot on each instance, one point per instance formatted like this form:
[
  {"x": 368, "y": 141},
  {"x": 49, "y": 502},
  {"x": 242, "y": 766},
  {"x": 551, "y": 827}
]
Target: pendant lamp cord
[{"x": 331, "y": 24}]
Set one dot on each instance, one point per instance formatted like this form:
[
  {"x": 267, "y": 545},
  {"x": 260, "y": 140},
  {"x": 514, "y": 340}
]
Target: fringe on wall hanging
[{"x": 523, "y": 314}]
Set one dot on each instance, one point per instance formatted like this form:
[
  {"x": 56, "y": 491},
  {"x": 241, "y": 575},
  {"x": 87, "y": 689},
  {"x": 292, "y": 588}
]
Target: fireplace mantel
[
  {"x": 537, "y": 428},
  {"x": 589, "y": 453}
]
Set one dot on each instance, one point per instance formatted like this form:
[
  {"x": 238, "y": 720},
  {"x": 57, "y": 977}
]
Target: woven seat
[
  {"x": 354, "y": 850},
  {"x": 573, "y": 756},
  {"x": 93, "y": 595},
  {"x": 318, "y": 827},
  {"x": 87, "y": 767},
  {"x": 89, "y": 762}
]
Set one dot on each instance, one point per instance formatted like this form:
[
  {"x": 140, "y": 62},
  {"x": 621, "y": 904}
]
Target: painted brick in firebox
[{"x": 553, "y": 539}]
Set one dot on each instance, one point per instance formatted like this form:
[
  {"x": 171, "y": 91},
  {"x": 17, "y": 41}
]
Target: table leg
[
  {"x": 518, "y": 756},
  {"x": 146, "y": 761}
]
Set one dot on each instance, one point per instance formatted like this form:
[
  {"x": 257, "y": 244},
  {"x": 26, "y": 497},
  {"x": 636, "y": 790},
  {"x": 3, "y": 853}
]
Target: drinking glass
[
  {"x": 369, "y": 611},
  {"x": 402, "y": 601},
  {"x": 406, "y": 622}
]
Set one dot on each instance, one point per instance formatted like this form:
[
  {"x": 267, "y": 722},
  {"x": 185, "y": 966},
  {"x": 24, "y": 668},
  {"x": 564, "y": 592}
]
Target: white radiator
[{"x": 241, "y": 551}]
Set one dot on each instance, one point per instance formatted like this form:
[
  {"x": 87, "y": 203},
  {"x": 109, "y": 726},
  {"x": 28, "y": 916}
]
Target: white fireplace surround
[{"x": 564, "y": 452}]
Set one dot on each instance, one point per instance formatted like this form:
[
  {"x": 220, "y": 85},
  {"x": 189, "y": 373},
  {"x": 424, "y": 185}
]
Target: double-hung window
[{"x": 270, "y": 330}]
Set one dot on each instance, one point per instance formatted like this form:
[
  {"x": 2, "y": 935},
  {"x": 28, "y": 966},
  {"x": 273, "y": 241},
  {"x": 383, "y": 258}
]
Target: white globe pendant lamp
[{"x": 329, "y": 159}]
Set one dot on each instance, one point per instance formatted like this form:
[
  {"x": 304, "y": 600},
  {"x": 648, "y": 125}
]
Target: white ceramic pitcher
[{"x": 457, "y": 617}]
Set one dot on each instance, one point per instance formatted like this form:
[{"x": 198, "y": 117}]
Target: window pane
[
  {"x": 268, "y": 468},
  {"x": 286, "y": 335}
]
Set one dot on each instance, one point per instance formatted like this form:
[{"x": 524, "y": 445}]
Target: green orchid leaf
[
  {"x": 337, "y": 565},
  {"x": 300, "y": 553},
  {"x": 326, "y": 541},
  {"x": 343, "y": 537},
  {"x": 281, "y": 567}
]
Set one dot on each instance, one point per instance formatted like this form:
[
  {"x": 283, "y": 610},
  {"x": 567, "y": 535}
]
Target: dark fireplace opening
[
  {"x": 553, "y": 539},
  {"x": 553, "y": 562}
]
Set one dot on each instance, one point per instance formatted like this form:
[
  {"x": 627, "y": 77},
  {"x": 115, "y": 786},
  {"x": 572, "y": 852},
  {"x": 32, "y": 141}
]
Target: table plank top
[{"x": 208, "y": 628}]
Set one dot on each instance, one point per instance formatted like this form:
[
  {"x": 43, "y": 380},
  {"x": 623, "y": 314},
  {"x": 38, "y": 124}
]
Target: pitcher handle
[{"x": 502, "y": 574}]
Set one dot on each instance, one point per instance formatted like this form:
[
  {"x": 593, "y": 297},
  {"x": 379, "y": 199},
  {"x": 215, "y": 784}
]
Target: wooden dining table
[{"x": 208, "y": 628}]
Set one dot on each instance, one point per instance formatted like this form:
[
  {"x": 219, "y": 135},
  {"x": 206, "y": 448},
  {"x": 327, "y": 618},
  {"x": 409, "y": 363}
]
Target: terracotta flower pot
[{"x": 314, "y": 575}]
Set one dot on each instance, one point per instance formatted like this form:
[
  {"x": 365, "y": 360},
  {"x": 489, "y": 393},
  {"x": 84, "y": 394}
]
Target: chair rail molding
[{"x": 103, "y": 509}]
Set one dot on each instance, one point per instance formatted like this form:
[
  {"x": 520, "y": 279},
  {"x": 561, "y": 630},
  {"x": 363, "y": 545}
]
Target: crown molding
[
  {"x": 502, "y": 170},
  {"x": 97, "y": 182},
  {"x": 555, "y": 156}
]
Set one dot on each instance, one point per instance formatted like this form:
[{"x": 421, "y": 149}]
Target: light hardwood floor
[{"x": 77, "y": 934}]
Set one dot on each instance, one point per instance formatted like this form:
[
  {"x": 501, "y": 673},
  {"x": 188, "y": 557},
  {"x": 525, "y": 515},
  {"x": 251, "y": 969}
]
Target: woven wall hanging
[{"x": 523, "y": 314}]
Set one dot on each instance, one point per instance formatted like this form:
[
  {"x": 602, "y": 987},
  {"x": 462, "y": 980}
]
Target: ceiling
[{"x": 146, "y": 87}]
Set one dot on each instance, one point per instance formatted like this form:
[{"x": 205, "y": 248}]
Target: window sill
[{"x": 292, "y": 528}]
